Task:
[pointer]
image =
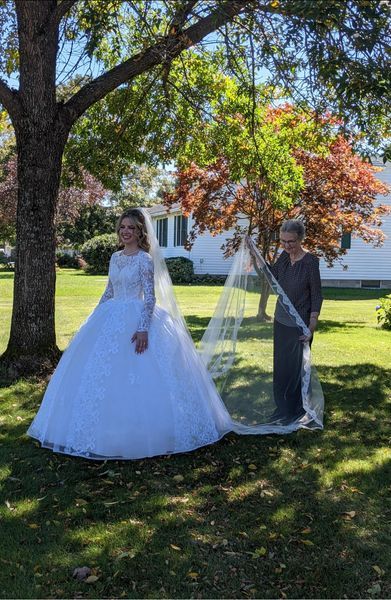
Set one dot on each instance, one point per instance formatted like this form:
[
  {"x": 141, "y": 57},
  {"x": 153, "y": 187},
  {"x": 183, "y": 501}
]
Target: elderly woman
[{"x": 297, "y": 271}]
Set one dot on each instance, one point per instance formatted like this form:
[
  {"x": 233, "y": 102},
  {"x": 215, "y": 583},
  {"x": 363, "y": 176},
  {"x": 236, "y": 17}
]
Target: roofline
[{"x": 159, "y": 210}]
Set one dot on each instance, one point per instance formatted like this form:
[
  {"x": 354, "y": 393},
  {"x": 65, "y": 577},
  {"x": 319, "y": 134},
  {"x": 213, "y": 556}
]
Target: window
[
  {"x": 161, "y": 232},
  {"x": 346, "y": 241},
  {"x": 180, "y": 230}
]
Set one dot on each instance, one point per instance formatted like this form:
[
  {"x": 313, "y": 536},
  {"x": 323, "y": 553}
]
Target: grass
[{"x": 301, "y": 516}]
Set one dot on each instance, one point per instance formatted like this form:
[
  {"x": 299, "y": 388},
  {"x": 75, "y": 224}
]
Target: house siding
[{"x": 362, "y": 261}]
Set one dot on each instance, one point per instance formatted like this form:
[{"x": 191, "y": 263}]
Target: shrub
[
  {"x": 180, "y": 269},
  {"x": 208, "y": 279},
  {"x": 7, "y": 263},
  {"x": 66, "y": 260},
  {"x": 384, "y": 312},
  {"x": 97, "y": 252}
]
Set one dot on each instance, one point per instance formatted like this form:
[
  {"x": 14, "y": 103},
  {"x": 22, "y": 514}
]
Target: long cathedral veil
[
  {"x": 164, "y": 290},
  {"x": 239, "y": 352},
  {"x": 261, "y": 369}
]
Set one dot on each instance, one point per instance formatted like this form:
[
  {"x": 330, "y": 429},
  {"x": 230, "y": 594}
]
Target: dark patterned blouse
[{"x": 301, "y": 283}]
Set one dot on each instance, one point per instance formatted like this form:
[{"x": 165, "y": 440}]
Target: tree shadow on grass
[
  {"x": 252, "y": 328},
  {"x": 326, "y": 325},
  {"x": 225, "y": 528}
]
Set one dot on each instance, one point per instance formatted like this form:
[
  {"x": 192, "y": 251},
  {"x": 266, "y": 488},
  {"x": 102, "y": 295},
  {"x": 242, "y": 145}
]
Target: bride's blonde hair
[{"x": 137, "y": 217}]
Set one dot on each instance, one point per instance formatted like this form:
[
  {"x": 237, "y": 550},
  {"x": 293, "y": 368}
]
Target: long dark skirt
[{"x": 287, "y": 367}]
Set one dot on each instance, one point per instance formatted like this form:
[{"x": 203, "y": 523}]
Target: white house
[{"x": 362, "y": 266}]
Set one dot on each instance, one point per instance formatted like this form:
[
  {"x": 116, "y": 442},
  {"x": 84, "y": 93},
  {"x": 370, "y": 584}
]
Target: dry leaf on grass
[
  {"x": 81, "y": 573},
  {"x": 349, "y": 515},
  {"x": 259, "y": 552}
]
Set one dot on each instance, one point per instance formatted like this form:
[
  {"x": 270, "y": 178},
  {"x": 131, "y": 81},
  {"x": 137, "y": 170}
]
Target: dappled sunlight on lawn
[{"x": 305, "y": 513}]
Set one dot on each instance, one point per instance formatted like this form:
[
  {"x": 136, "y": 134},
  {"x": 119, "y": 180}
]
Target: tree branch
[
  {"x": 164, "y": 50},
  {"x": 60, "y": 11},
  {"x": 9, "y": 99},
  {"x": 180, "y": 17}
]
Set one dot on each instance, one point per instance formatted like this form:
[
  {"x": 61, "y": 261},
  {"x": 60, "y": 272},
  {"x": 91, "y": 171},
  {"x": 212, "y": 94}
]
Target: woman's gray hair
[{"x": 294, "y": 226}]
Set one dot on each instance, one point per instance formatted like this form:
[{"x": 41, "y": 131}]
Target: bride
[{"x": 131, "y": 384}]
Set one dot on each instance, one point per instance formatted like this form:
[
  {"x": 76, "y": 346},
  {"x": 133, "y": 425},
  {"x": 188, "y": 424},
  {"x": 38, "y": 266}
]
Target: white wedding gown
[{"x": 104, "y": 401}]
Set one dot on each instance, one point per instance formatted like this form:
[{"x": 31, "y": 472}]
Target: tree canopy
[
  {"x": 295, "y": 165},
  {"x": 118, "y": 82},
  {"x": 72, "y": 199}
]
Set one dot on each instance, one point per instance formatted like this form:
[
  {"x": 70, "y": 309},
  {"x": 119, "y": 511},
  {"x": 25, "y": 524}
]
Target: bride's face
[{"x": 128, "y": 232}]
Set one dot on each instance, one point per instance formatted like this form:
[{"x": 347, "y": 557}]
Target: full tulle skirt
[{"x": 104, "y": 401}]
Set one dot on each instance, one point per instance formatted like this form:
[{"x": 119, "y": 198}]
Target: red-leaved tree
[
  {"x": 339, "y": 196},
  {"x": 87, "y": 192}
]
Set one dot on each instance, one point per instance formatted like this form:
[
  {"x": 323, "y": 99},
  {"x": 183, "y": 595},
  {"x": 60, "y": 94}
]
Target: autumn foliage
[
  {"x": 338, "y": 196},
  {"x": 88, "y": 192}
]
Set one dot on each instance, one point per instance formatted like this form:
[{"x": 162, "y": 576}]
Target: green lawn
[{"x": 301, "y": 516}]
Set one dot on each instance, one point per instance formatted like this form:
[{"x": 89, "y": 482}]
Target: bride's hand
[{"x": 141, "y": 339}]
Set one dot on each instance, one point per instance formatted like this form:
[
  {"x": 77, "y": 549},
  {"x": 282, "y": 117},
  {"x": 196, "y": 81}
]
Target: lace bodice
[{"x": 131, "y": 277}]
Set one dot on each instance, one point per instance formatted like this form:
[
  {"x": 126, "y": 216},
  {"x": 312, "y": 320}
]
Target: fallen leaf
[
  {"x": 91, "y": 579},
  {"x": 259, "y": 552},
  {"x": 81, "y": 573},
  {"x": 307, "y": 542},
  {"x": 193, "y": 574},
  {"x": 33, "y": 526},
  {"x": 252, "y": 467},
  {"x": 81, "y": 502},
  {"x": 375, "y": 589},
  {"x": 349, "y": 515},
  {"x": 306, "y": 530},
  {"x": 125, "y": 555},
  {"x": 178, "y": 478},
  {"x": 378, "y": 570},
  {"x": 175, "y": 547}
]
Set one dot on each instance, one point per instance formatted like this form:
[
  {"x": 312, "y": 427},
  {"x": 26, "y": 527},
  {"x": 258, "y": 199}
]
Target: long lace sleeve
[
  {"x": 108, "y": 293},
  {"x": 147, "y": 282}
]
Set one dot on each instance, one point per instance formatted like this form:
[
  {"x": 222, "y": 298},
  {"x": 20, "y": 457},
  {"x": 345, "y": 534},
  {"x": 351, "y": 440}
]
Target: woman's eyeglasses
[{"x": 288, "y": 242}]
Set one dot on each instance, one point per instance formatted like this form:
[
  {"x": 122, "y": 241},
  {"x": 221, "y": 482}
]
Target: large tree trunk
[
  {"x": 42, "y": 126},
  {"x": 32, "y": 343},
  {"x": 40, "y": 136}
]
